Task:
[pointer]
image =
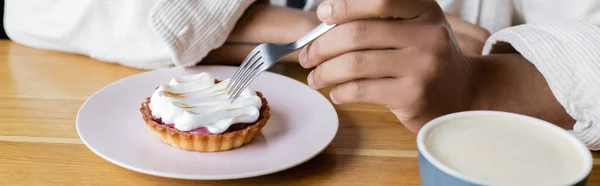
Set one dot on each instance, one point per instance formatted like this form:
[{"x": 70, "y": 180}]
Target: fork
[{"x": 264, "y": 56}]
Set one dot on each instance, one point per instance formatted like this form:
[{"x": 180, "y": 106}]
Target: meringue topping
[{"x": 193, "y": 101}]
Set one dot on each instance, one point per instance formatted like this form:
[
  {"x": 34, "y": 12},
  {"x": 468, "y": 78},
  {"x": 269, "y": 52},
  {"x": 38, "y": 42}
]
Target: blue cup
[{"x": 434, "y": 173}]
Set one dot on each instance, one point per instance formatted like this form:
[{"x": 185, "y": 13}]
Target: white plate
[{"x": 303, "y": 123}]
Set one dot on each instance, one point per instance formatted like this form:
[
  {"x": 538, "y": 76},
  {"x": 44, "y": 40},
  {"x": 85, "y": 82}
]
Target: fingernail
[
  {"x": 310, "y": 78},
  {"x": 324, "y": 10},
  {"x": 302, "y": 57},
  {"x": 332, "y": 97}
]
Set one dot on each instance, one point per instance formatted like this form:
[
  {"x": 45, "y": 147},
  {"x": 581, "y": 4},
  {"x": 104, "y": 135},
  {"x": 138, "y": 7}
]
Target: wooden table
[{"x": 41, "y": 92}]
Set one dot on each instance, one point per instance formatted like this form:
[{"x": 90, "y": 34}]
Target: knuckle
[
  {"x": 359, "y": 32},
  {"x": 413, "y": 94},
  {"x": 441, "y": 32},
  {"x": 357, "y": 63},
  {"x": 356, "y": 89}
]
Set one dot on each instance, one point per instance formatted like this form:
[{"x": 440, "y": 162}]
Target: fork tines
[{"x": 248, "y": 70}]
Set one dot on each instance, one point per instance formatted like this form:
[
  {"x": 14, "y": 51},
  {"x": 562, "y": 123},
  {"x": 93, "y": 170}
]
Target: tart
[{"x": 201, "y": 139}]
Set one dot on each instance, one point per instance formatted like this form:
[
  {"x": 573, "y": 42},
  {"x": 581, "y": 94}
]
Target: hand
[{"x": 397, "y": 53}]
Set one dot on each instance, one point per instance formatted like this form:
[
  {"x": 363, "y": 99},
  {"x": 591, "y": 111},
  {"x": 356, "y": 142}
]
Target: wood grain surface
[{"x": 41, "y": 92}]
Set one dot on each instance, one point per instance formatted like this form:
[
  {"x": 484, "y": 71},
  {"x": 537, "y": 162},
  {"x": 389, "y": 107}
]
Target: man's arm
[
  {"x": 263, "y": 23},
  {"x": 508, "y": 82}
]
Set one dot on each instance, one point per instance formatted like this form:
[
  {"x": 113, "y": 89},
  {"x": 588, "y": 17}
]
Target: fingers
[
  {"x": 368, "y": 64},
  {"x": 358, "y": 35},
  {"x": 342, "y": 11},
  {"x": 391, "y": 92}
]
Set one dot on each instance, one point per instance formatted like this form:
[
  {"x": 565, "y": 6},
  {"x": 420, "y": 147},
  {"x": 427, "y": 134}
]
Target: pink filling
[{"x": 204, "y": 130}]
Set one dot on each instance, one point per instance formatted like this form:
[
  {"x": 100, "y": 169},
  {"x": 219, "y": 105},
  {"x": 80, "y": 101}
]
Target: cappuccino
[{"x": 506, "y": 151}]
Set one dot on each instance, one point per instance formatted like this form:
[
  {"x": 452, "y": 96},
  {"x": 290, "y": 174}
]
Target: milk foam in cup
[{"x": 498, "y": 148}]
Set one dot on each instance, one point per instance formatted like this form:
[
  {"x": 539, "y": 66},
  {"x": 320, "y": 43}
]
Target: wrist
[
  {"x": 492, "y": 81},
  {"x": 508, "y": 82},
  {"x": 479, "y": 98}
]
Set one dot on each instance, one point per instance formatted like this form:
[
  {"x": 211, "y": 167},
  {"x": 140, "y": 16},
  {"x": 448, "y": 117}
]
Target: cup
[{"x": 499, "y": 148}]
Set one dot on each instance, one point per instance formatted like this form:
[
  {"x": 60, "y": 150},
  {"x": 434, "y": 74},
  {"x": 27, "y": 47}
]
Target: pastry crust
[{"x": 207, "y": 142}]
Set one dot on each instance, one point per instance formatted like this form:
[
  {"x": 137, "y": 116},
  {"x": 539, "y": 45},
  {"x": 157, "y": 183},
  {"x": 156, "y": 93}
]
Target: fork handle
[{"x": 312, "y": 35}]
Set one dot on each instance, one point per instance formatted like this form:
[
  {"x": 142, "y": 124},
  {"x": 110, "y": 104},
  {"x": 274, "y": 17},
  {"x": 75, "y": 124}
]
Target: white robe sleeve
[
  {"x": 568, "y": 56},
  {"x": 192, "y": 28},
  {"x": 145, "y": 34}
]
